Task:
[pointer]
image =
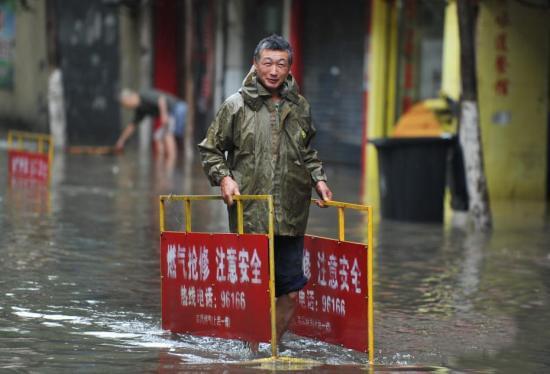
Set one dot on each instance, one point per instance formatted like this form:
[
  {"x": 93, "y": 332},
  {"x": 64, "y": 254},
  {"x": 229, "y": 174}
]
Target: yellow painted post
[
  {"x": 272, "y": 277},
  {"x": 161, "y": 214},
  {"x": 240, "y": 217},
  {"x": 450, "y": 65},
  {"x": 10, "y": 139},
  {"x": 377, "y": 75},
  {"x": 370, "y": 306},
  {"x": 341, "y": 224},
  {"x": 378, "y": 67},
  {"x": 392, "y": 69},
  {"x": 187, "y": 205}
]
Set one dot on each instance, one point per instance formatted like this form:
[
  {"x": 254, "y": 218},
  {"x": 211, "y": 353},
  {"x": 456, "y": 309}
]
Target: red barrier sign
[
  {"x": 216, "y": 285},
  {"x": 28, "y": 165},
  {"x": 333, "y": 306}
]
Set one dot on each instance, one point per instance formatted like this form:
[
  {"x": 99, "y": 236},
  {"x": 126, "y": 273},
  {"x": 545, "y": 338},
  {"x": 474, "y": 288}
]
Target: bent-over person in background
[{"x": 170, "y": 110}]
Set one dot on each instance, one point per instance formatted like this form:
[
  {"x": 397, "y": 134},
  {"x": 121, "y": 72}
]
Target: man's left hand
[{"x": 324, "y": 193}]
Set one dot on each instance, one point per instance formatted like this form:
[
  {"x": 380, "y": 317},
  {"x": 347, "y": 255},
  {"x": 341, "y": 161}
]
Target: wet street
[{"x": 80, "y": 280}]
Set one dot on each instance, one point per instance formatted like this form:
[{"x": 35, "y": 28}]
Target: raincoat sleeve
[
  {"x": 218, "y": 140},
  {"x": 309, "y": 155}
]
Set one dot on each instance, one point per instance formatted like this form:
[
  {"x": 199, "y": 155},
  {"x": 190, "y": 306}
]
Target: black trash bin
[{"x": 412, "y": 177}]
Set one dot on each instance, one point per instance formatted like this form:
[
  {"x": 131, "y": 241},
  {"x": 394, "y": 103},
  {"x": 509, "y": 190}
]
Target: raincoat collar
[{"x": 254, "y": 93}]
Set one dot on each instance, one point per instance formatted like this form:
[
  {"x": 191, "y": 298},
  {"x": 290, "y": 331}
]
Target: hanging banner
[
  {"x": 28, "y": 165},
  {"x": 216, "y": 285},
  {"x": 333, "y": 307},
  {"x": 7, "y": 43}
]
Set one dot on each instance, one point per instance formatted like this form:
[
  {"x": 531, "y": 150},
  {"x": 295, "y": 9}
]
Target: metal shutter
[{"x": 333, "y": 53}]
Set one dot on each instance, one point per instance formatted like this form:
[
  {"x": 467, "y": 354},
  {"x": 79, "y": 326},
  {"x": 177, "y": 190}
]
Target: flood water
[{"x": 80, "y": 282}]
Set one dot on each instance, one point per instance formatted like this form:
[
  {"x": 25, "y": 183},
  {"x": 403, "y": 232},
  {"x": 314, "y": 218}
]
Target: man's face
[{"x": 272, "y": 68}]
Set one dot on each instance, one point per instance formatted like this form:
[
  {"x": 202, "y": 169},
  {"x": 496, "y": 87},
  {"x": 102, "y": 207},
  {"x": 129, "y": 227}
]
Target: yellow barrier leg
[
  {"x": 272, "y": 278},
  {"x": 370, "y": 290}
]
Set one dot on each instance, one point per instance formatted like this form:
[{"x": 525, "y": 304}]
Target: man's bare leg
[
  {"x": 253, "y": 346},
  {"x": 286, "y": 306},
  {"x": 170, "y": 147},
  {"x": 159, "y": 149}
]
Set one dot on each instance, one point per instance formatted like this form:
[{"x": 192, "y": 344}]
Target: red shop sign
[
  {"x": 333, "y": 306},
  {"x": 216, "y": 285},
  {"x": 28, "y": 165}
]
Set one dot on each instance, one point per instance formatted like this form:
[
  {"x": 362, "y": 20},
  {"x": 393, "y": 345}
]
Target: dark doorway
[
  {"x": 333, "y": 57},
  {"x": 262, "y": 18},
  {"x": 88, "y": 47}
]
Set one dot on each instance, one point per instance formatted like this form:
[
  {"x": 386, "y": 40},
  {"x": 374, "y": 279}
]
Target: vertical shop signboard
[
  {"x": 216, "y": 285},
  {"x": 333, "y": 307},
  {"x": 502, "y": 19}
]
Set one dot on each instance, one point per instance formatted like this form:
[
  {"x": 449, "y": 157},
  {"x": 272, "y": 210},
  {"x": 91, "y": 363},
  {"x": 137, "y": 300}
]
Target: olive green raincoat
[{"x": 242, "y": 128}]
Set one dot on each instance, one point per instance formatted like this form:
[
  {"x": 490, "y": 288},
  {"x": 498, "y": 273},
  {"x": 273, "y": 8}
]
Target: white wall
[{"x": 26, "y": 103}]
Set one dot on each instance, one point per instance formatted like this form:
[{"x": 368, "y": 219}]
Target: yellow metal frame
[
  {"x": 40, "y": 139},
  {"x": 187, "y": 199},
  {"x": 341, "y": 207}
]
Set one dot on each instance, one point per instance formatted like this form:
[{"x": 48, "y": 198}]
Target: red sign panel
[
  {"x": 333, "y": 307},
  {"x": 28, "y": 165},
  {"x": 216, "y": 285}
]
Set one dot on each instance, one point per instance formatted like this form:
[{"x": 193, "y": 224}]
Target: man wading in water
[{"x": 259, "y": 143}]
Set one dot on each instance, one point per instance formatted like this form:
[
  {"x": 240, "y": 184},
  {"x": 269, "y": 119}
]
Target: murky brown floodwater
[{"x": 79, "y": 280}]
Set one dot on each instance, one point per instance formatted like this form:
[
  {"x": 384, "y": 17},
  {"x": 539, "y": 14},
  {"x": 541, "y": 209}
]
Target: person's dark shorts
[{"x": 289, "y": 273}]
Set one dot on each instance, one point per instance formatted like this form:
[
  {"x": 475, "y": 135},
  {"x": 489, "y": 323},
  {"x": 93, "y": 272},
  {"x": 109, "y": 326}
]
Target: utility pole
[
  {"x": 145, "y": 67},
  {"x": 189, "y": 146},
  {"x": 189, "y": 135},
  {"x": 469, "y": 131}
]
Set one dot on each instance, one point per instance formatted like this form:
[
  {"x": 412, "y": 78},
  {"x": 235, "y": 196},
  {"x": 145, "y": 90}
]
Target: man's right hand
[
  {"x": 229, "y": 188},
  {"x": 119, "y": 147},
  {"x": 126, "y": 133},
  {"x": 324, "y": 193}
]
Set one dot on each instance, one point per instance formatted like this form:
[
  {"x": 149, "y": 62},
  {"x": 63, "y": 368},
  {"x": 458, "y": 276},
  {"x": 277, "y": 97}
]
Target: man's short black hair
[{"x": 274, "y": 42}]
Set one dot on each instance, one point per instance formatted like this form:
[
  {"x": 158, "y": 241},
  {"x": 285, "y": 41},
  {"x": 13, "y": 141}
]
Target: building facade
[{"x": 361, "y": 63}]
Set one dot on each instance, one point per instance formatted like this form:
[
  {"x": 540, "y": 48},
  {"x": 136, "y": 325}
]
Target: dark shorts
[
  {"x": 180, "y": 115},
  {"x": 289, "y": 273}
]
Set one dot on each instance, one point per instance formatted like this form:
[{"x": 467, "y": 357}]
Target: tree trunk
[{"x": 469, "y": 132}]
